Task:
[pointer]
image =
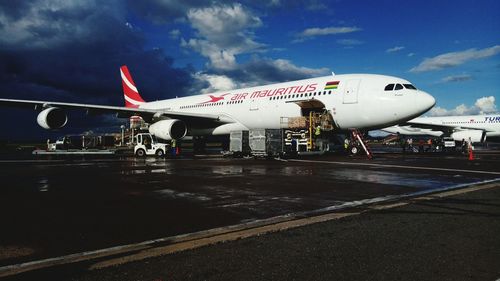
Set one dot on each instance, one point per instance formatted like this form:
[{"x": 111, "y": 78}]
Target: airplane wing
[
  {"x": 124, "y": 112},
  {"x": 439, "y": 127},
  {"x": 460, "y": 131},
  {"x": 432, "y": 127}
]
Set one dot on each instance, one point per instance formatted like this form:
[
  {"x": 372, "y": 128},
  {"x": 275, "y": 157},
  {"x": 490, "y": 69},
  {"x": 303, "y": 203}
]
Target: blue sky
[{"x": 71, "y": 50}]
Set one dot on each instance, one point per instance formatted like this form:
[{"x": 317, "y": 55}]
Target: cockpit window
[
  {"x": 409, "y": 86},
  {"x": 398, "y": 87},
  {"x": 389, "y": 87}
]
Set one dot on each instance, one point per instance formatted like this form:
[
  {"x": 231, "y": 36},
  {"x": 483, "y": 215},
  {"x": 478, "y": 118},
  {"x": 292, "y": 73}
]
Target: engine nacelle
[
  {"x": 168, "y": 129},
  {"x": 474, "y": 135},
  {"x": 52, "y": 118}
]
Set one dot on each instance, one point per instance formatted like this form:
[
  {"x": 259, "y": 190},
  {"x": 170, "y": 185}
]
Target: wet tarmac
[
  {"x": 50, "y": 208},
  {"x": 444, "y": 238}
]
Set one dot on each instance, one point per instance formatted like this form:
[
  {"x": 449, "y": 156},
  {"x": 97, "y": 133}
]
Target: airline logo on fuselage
[
  {"x": 332, "y": 85},
  {"x": 265, "y": 93},
  {"x": 215, "y": 99},
  {"x": 492, "y": 119}
]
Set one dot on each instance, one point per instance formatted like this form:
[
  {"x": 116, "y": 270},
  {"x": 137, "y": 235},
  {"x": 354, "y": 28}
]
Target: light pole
[{"x": 123, "y": 135}]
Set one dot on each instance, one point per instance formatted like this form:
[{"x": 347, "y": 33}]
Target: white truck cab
[{"x": 146, "y": 144}]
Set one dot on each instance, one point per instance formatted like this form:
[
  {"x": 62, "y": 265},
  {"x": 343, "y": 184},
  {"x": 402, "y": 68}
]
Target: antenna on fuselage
[{"x": 333, "y": 73}]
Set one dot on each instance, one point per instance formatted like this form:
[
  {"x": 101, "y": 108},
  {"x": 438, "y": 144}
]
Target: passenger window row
[
  {"x": 233, "y": 102},
  {"x": 300, "y": 95},
  {"x": 210, "y": 104},
  {"x": 201, "y": 105}
]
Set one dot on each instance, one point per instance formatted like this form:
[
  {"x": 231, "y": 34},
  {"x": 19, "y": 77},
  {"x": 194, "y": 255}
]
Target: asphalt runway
[{"x": 50, "y": 208}]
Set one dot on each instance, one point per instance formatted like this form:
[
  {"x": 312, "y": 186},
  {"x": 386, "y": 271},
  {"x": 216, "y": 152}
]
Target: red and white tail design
[{"x": 130, "y": 93}]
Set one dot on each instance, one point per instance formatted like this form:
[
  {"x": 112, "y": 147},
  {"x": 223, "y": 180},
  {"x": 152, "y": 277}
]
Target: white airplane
[
  {"x": 477, "y": 128},
  {"x": 361, "y": 101}
]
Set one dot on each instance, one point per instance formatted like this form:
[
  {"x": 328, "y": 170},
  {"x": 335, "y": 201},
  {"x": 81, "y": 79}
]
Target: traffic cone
[{"x": 471, "y": 154}]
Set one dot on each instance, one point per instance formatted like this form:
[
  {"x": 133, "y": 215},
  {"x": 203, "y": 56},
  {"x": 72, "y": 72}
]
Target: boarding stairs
[{"x": 357, "y": 136}]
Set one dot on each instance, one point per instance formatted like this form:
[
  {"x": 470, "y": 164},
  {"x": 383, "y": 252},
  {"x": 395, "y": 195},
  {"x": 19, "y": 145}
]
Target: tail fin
[{"x": 130, "y": 93}]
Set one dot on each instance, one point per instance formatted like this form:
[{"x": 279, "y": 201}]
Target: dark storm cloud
[
  {"x": 72, "y": 52},
  {"x": 15, "y": 9},
  {"x": 78, "y": 49}
]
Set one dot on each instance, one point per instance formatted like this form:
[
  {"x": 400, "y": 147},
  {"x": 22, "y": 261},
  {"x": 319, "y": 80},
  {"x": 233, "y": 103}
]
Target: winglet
[{"x": 130, "y": 93}]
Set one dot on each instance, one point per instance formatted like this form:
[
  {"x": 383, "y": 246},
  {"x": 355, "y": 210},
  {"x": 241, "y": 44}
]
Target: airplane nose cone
[{"x": 426, "y": 101}]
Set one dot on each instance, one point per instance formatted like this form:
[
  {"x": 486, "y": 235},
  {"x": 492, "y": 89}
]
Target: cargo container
[
  {"x": 266, "y": 142},
  {"x": 239, "y": 144}
]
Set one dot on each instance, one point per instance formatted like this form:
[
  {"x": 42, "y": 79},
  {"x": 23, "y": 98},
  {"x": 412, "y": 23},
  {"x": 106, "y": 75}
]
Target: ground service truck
[{"x": 146, "y": 144}]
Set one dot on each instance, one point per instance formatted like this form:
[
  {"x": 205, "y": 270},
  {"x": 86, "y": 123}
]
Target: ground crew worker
[
  {"x": 317, "y": 132},
  {"x": 147, "y": 143},
  {"x": 429, "y": 143},
  {"x": 294, "y": 146},
  {"x": 173, "y": 148},
  {"x": 464, "y": 146},
  {"x": 346, "y": 144},
  {"x": 410, "y": 144}
]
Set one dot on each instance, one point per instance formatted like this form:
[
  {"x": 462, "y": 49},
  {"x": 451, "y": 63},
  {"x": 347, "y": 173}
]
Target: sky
[{"x": 71, "y": 51}]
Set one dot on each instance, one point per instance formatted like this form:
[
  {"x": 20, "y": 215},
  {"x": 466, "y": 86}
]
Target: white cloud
[
  {"x": 457, "y": 78},
  {"x": 216, "y": 82},
  {"x": 484, "y": 105},
  {"x": 217, "y": 22},
  {"x": 286, "y": 65},
  {"x": 411, "y": 54},
  {"x": 219, "y": 58},
  {"x": 316, "y": 31},
  {"x": 453, "y": 59},
  {"x": 224, "y": 31},
  {"x": 395, "y": 49}
]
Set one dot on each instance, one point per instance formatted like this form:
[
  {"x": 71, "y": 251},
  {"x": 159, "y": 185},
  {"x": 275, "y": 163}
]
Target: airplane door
[
  {"x": 254, "y": 105},
  {"x": 351, "y": 91}
]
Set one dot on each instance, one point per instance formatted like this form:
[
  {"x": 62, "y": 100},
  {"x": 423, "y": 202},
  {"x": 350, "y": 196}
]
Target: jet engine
[
  {"x": 52, "y": 118},
  {"x": 168, "y": 129},
  {"x": 474, "y": 135}
]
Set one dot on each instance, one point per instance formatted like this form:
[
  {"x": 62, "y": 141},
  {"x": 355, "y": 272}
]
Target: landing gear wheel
[
  {"x": 160, "y": 153},
  {"x": 354, "y": 150},
  {"x": 140, "y": 153}
]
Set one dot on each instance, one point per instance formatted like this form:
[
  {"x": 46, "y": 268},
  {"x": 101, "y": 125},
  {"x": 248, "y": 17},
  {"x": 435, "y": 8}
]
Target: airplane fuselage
[
  {"x": 353, "y": 100},
  {"x": 458, "y": 127}
]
